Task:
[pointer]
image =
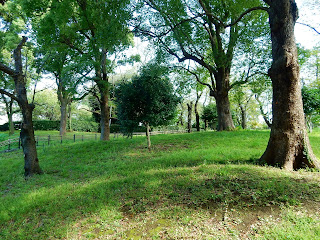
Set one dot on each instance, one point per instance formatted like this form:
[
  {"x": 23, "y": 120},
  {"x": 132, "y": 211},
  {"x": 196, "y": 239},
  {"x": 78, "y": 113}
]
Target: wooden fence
[{"x": 42, "y": 141}]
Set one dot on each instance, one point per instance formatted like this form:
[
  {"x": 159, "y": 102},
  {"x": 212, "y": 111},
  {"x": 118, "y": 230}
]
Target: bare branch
[
  {"x": 307, "y": 25},
  {"x": 245, "y": 13}
]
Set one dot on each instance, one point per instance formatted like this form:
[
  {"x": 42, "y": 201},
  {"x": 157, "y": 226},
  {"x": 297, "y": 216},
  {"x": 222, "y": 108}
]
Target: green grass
[{"x": 190, "y": 186}]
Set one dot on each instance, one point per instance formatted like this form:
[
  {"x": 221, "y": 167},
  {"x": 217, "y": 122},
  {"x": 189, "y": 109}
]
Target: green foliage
[
  {"x": 147, "y": 99},
  {"x": 46, "y": 106},
  {"x": 311, "y": 100},
  {"x": 210, "y": 115},
  {"x": 85, "y": 126},
  {"x": 46, "y": 125}
]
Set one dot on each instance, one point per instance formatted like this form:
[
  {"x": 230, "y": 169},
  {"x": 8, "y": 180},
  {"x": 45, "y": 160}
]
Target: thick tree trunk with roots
[{"x": 288, "y": 145}]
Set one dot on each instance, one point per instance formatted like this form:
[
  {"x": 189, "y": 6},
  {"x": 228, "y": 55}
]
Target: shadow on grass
[
  {"x": 110, "y": 181},
  {"x": 50, "y": 212}
]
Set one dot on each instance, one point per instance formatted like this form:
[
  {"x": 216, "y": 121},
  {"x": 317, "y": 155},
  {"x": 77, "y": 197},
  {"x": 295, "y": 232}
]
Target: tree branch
[
  {"x": 245, "y": 13},
  {"x": 2, "y": 91},
  {"x": 7, "y": 70}
]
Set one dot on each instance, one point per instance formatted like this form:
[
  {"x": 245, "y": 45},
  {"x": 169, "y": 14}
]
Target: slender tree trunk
[
  {"x": 288, "y": 146},
  {"x": 105, "y": 116},
  {"x": 11, "y": 125},
  {"x": 264, "y": 115},
  {"x": 197, "y": 113},
  {"x": 69, "y": 116},
  {"x": 189, "y": 116},
  {"x": 148, "y": 136},
  {"x": 243, "y": 116},
  {"x": 205, "y": 125}
]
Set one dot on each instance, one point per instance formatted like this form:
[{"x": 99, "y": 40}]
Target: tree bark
[
  {"x": 288, "y": 146},
  {"x": 243, "y": 116},
  {"x": 196, "y": 112},
  {"x": 189, "y": 116},
  {"x": 69, "y": 116},
  {"x": 63, "y": 117},
  {"x": 64, "y": 101},
  {"x": 225, "y": 121},
  {"x": 104, "y": 122},
  {"x": 148, "y": 136},
  {"x": 11, "y": 125}
]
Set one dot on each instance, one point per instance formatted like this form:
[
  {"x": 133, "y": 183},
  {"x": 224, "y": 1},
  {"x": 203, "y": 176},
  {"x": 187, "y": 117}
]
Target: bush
[
  {"x": 85, "y": 126},
  {"x": 46, "y": 125},
  {"x": 4, "y": 127}
]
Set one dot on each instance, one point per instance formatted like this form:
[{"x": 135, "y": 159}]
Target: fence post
[
  {"x": 74, "y": 138},
  {"x": 48, "y": 140},
  {"x": 61, "y": 139},
  {"x": 9, "y": 141},
  {"x": 37, "y": 141},
  {"x": 19, "y": 142}
]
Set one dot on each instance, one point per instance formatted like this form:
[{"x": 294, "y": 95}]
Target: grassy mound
[{"x": 190, "y": 186}]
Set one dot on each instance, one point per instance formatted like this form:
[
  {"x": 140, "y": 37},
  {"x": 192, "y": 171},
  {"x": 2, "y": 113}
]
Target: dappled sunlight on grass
[{"x": 196, "y": 183}]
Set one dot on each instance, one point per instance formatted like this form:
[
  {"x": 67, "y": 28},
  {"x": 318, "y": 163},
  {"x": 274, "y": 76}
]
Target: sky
[{"x": 309, "y": 13}]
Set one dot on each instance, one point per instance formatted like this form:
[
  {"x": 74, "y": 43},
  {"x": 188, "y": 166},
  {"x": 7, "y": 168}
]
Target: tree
[
  {"x": 210, "y": 116},
  {"x": 12, "y": 23},
  {"x": 67, "y": 69},
  {"x": 95, "y": 30},
  {"x": 27, "y": 132},
  {"x": 288, "y": 146},
  {"x": 46, "y": 106},
  {"x": 147, "y": 99},
  {"x": 207, "y": 33}
]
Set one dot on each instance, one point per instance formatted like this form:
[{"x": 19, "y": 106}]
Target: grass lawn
[{"x": 190, "y": 186}]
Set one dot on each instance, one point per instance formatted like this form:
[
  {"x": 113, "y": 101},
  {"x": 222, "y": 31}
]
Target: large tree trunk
[
  {"x": 288, "y": 145},
  {"x": 189, "y": 116},
  {"x": 225, "y": 121},
  {"x": 31, "y": 162}
]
